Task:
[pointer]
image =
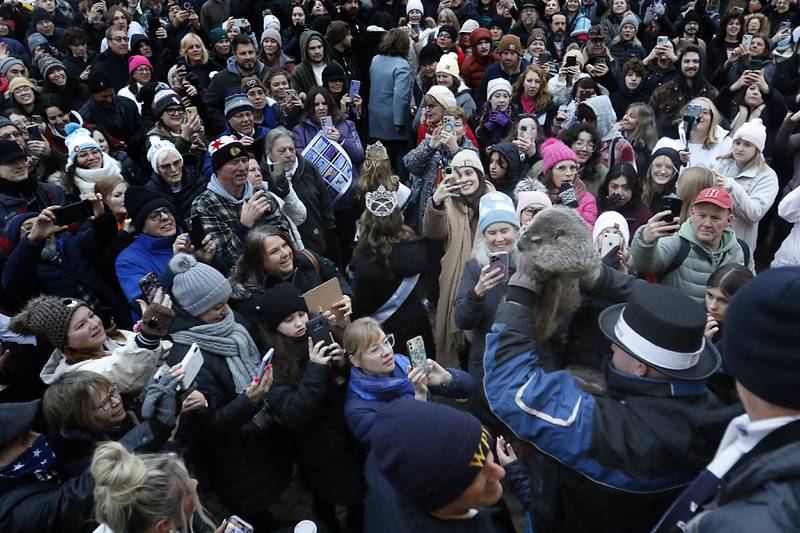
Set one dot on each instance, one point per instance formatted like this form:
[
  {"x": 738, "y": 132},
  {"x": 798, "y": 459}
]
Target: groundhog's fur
[{"x": 556, "y": 252}]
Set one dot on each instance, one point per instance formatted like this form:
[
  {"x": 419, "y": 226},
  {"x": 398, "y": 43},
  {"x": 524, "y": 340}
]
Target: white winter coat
[{"x": 789, "y": 252}]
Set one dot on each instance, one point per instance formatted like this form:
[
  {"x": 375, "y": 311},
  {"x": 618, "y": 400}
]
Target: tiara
[
  {"x": 376, "y": 151},
  {"x": 381, "y": 203}
]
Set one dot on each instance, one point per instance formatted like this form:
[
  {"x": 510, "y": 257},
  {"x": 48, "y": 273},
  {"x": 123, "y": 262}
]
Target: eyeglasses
[
  {"x": 143, "y": 69},
  {"x": 155, "y": 215},
  {"x": 23, "y": 90},
  {"x": 119, "y": 39},
  {"x": 375, "y": 349},
  {"x": 581, "y": 145},
  {"x": 176, "y": 111},
  {"x": 113, "y": 392},
  {"x": 531, "y": 210}
]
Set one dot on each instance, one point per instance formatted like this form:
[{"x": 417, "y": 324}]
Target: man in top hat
[
  {"x": 420, "y": 478},
  {"x": 753, "y": 482},
  {"x": 622, "y": 456}
]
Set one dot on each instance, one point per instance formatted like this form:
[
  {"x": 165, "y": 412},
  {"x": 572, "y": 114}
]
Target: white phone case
[{"x": 191, "y": 364}]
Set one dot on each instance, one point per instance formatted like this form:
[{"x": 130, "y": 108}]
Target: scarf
[
  {"x": 35, "y": 463},
  {"x": 744, "y": 115},
  {"x": 528, "y": 105},
  {"x": 214, "y": 185},
  {"x": 383, "y": 388},
  {"x": 86, "y": 178},
  {"x": 230, "y": 340}
]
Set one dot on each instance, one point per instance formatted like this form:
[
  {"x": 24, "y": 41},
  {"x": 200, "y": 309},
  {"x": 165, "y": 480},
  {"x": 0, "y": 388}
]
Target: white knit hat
[
  {"x": 497, "y": 84},
  {"x": 611, "y": 219},
  {"x": 468, "y": 158},
  {"x": 158, "y": 148},
  {"x": 415, "y": 4},
  {"x": 448, "y": 64},
  {"x": 443, "y": 95},
  {"x": 468, "y": 26},
  {"x": 754, "y": 132},
  {"x": 78, "y": 138}
]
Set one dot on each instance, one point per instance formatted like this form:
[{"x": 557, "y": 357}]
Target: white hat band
[{"x": 652, "y": 353}]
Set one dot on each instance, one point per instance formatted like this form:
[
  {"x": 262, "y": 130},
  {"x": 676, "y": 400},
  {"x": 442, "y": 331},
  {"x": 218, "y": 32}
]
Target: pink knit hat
[
  {"x": 135, "y": 62},
  {"x": 553, "y": 152}
]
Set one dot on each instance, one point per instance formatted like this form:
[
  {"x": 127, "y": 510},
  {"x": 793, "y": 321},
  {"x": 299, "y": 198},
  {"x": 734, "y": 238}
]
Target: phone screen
[
  {"x": 571, "y": 61},
  {"x": 197, "y": 232},
  {"x": 149, "y": 284}
]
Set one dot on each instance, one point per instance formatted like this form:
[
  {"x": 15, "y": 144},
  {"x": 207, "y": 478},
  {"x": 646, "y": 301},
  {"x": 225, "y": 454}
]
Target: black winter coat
[
  {"x": 192, "y": 184},
  {"x": 120, "y": 120}
]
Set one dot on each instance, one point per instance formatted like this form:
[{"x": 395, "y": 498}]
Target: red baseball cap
[{"x": 716, "y": 196}]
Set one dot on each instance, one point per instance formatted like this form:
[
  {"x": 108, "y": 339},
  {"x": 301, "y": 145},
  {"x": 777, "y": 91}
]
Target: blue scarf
[
  {"x": 36, "y": 462},
  {"x": 383, "y": 388}
]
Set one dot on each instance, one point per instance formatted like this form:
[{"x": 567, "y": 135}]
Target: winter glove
[
  {"x": 500, "y": 118},
  {"x": 156, "y": 320},
  {"x": 279, "y": 184},
  {"x": 612, "y": 258},
  {"x": 160, "y": 399},
  {"x": 614, "y": 200},
  {"x": 567, "y": 194}
]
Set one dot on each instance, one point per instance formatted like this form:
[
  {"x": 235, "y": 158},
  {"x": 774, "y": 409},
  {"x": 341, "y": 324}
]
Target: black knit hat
[
  {"x": 673, "y": 154},
  {"x": 333, "y": 72},
  {"x": 139, "y": 202},
  {"x": 40, "y": 14},
  {"x": 276, "y": 303},
  {"x": 99, "y": 80},
  {"x": 449, "y": 30},
  {"x": 430, "y": 53}
]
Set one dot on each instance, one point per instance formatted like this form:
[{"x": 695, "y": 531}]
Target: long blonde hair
[
  {"x": 690, "y": 183},
  {"x": 711, "y": 136}
]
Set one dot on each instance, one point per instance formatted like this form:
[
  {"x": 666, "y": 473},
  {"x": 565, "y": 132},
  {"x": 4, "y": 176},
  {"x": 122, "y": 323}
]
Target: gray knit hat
[
  {"x": 47, "y": 63},
  {"x": 197, "y": 287},
  {"x": 236, "y": 103},
  {"x": 35, "y": 40},
  {"x": 7, "y": 62},
  {"x": 47, "y": 316}
]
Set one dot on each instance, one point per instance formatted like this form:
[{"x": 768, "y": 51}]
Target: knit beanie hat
[
  {"x": 577, "y": 54},
  {"x": 216, "y": 35},
  {"x": 691, "y": 16},
  {"x": 18, "y": 82},
  {"x": 500, "y": 21},
  {"x": 135, "y": 62},
  {"x": 159, "y": 148},
  {"x": 535, "y": 198},
  {"x": 251, "y": 82},
  {"x": 673, "y": 154},
  {"x": 197, "y": 287},
  {"x": 468, "y": 158},
  {"x": 271, "y": 20},
  {"x": 611, "y": 219},
  {"x": 47, "y": 64},
  {"x": 236, "y": 103},
  {"x": 47, "y": 316},
  {"x": 448, "y": 466},
  {"x": 761, "y": 336},
  {"x": 333, "y": 72},
  {"x": 537, "y": 34},
  {"x": 430, "y": 53},
  {"x": 754, "y": 132},
  {"x": 553, "y": 152},
  {"x": 448, "y": 64},
  {"x": 12, "y": 227},
  {"x": 337, "y": 31},
  {"x": 140, "y": 202},
  {"x": 78, "y": 139},
  {"x": 277, "y": 303},
  {"x": 497, "y": 84},
  {"x": 35, "y": 40},
  {"x": 223, "y": 149},
  {"x": 443, "y": 95},
  {"x": 449, "y": 30},
  {"x": 597, "y": 33},
  {"x": 8, "y": 62},
  {"x": 630, "y": 18},
  {"x": 99, "y": 80},
  {"x": 468, "y": 26},
  {"x": 272, "y": 33},
  {"x": 510, "y": 43},
  {"x": 414, "y": 4},
  {"x": 39, "y": 14},
  {"x": 496, "y": 207},
  {"x": 165, "y": 99}
]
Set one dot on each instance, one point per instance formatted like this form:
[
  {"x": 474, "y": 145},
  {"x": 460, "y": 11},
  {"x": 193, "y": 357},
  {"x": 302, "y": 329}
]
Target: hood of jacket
[
  {"x": 511, "y": 155},
  {"x": 233, "y": 69},
  {"x": 606, "y": 116},
  {"x": 57, "y": 365},
  {"x": 725, "y": 244},
  {"x": 307, "y": 36},
  {"x": 479, "y": 34}
]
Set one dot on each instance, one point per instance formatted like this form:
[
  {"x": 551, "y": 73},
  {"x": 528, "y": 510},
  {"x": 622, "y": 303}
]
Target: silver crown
[
  {"x": 381, "y": 203},
  {"x": 376, "y": 151}
]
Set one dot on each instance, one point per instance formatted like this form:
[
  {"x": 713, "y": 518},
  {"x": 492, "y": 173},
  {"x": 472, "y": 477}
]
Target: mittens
[
  {"x": 160, "y": 400},
  {"x": 567, "y": 195},
  {"x": 156, "y": 320}
]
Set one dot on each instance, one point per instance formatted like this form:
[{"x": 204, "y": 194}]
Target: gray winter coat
[{"x": 389, "y": 97}]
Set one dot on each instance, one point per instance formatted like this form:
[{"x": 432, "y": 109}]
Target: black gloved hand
[
  {"x": 614, "y": 200},
  {"x": 612, "y": 258},
  {"x": 567, "y": 194},
  {"x": 279, "y": 185}
]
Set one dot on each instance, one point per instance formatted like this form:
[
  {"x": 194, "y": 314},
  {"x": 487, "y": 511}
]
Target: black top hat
[
  {"x": 663, "y": 328},
  {"x": 16, "y": 419}
]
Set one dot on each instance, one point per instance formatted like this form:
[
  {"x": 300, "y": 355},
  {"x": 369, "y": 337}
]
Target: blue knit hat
[
  {"x": 445, "y": 467},
  {"x": 236, "y": 103},
  {"x": 78, "y": 138},
  {"x": 36, "y": 40},
  {"x": 496, "y": 207},
  {"x": 761, "y": 340}
]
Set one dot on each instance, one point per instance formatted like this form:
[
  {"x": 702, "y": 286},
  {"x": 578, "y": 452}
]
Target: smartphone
[
  {"x": 288, "y": 95},
  {"x": 355, "y": 86},
  {"x": 326, "y": 123},
  {"x": 180, "y": 61},
  {"x": 526, "y": 132},
  {"x": 416, "y": 351},
  {"x": 694, "y": 111},
  {"x": 601, "y": 60},
  {"x": 69, "y": 214},
  {"x": 662, "y": 39},
  {"x": 191, "y": 112},
  {"x": 276, "y": 169},
  {"x": 318, "y": 330},
  {"x": 449, "y": 124},
  {"x": 786, "y": 26},
  {"x": 673, "y": 204},
  {"x": 451, "y": 178},
  {"x": 237, "y": 525},
  {"x": 152, "y": 25},
  {"x": 499, "y": 259},
  {"x": 196, "y": 231},
  {"x": 414, "y": 27},
  {"x": 571, "y": 61},
  {"x": 747, "y": 40},
  {"x": 188, "y": 6},
  {"x": 191, "y": 363},
  {"x": 149, "y": 284},
  {"x": 608, "y": 241},
  {"x": 265, "y": 362},
  {"x": 34, "y": 133}
]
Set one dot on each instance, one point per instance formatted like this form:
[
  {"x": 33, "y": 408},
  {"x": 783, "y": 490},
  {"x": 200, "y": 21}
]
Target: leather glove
[
  {"x": 567, "y": 194},
  {"x": 156, "y": 320},
  {"x": 279, "y": 185},
  {"x": 160, "y": 401},
  {"x": 612, "y": 258}
]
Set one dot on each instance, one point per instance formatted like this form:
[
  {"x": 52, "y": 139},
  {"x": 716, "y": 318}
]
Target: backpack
[{"x": 683, "y": 253}]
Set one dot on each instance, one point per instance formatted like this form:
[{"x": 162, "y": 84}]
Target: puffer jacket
[
  {"x": 473, "y": 67},
  {"x": 691, "y": 277}
]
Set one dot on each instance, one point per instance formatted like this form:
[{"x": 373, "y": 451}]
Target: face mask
[{"x": 36, "y": 462}]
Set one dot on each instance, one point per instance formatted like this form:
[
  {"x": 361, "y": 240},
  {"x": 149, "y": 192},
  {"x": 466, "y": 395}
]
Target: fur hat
[
  {"x": 448, "y": 64},
  {"x": 337, "y": 32},
  {"x": 496, "y": 207},
  {"x": 47, "y": 316},
  {"x": 140, "y": 202},
  {"x": 553, "y": 152},
  {"x": 197, "y": 287},
  {"x": 443, "y": 95},
  {"x": 468, "y": 158},
  {"x": 510, "y": 43},
  {"x": 236, "y": 103},
  {"x": 497, "y": 84},
  {"x": 754, "y": 132},
  {"x": 415, "y": 4},
  {"x": 271, "y": 33}
]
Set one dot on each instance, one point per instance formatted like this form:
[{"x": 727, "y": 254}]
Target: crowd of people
[{"x": 403, "y": 256}]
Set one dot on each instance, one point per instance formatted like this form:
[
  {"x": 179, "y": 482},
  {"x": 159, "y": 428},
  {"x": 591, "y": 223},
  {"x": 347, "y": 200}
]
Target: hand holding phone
[
  {"x": 416, "y": 351},
  {"x": 237, "y": 525},
  {"x": 499, "y": 260},
  {"x": 266, "y": 362},
  {"x": 70, "y": 214},
  {"x": 609, "y": 241},
  {"x": 355, "y": 86},
  {"x": 149, "y": 285}
]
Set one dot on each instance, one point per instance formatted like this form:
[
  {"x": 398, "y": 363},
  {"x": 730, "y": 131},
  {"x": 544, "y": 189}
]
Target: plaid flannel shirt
[{"x": 221, "y": 221}]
